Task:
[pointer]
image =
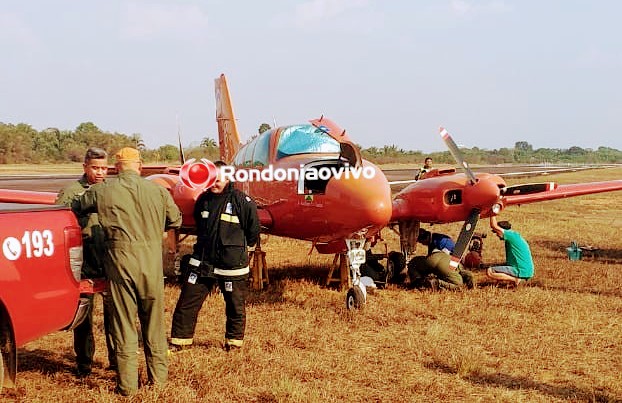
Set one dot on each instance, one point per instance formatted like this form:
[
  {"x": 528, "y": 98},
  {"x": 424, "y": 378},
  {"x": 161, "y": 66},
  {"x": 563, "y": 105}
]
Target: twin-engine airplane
[
  {"x": 343, "y": 214},
  {"x": 332, "y": 197}
]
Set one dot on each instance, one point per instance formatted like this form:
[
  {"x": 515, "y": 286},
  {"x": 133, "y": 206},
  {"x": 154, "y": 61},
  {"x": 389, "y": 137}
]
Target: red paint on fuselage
[
  {"x": 347, "y": 206},
  {"x": 433, "y": 200}
]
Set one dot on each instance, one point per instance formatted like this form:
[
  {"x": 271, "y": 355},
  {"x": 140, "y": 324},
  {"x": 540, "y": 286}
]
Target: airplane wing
[
  {"x": 34, "y": 197},
  {"x": 563, "y": 191},
  {"x": 27, "y": 196},
  {"x": 517, "y": 174},
  {"x": 548, "y": 171},
  {"x": 404, "y": 182}
]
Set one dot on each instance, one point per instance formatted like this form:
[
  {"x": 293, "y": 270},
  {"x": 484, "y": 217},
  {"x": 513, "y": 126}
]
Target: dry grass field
[{"x": 556, "y": 339}]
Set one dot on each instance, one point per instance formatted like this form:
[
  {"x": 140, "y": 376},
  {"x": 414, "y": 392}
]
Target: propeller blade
[
  {"x": 468, "y": 228},
  {"x": 528, "y": 188},
  {"x": 455, "y": 152}
]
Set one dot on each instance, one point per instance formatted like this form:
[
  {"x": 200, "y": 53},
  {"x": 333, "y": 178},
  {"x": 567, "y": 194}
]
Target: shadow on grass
[
  {"x": 548, "y": 287},
  {"x": 273, "y": 293},
  {"x": 45, "y": 361},
  {"x": 574, "y": 394},
  {"x": 604, "y": 293},
  {"x": 311, "y": 273},
  {"x": 597, "y": 255}
]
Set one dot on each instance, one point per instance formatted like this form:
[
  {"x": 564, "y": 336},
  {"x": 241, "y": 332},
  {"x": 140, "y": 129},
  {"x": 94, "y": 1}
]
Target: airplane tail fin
[{"x": 228, "y": 136}]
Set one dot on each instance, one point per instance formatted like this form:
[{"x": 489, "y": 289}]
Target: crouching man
[
  {"x": 435, "y": 272},
  {"x": 519, "y": 262}
]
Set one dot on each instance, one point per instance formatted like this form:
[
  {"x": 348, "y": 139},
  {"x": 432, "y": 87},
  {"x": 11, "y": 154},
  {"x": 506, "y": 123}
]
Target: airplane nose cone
[{"x": 362, "y": 202}]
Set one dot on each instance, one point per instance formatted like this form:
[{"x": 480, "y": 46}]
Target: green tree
[
  {"x": 523, "y": 146},
  {"x": 264, "y": 127},
  {"x": 208, "y": 142},
  {"x": 168, "y": 153}
]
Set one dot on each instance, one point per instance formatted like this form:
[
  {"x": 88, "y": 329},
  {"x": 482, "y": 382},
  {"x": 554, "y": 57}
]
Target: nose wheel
[
  {"x": 357, "y": 294},
  {"x": 355, "y": 298}
]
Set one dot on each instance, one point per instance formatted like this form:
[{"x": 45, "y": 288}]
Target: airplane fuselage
[{"x": 323, "y": 210}]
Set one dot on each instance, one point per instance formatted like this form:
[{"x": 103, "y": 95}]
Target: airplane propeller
[
  {"x": 466, "y": 233},
  {"x": 455, "y": 152},
  {"x": 468, "y": 228}
]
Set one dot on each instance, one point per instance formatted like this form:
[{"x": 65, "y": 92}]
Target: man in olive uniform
[
  {"x": 134, "y": 214},
  {"x": 95, "y": 170},
  {"x": 227, "y": 223},
  {"x": 437, "y": 263}
]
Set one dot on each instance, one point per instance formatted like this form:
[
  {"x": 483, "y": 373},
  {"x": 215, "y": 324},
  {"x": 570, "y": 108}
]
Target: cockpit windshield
[{"x": 304, "y": 139}]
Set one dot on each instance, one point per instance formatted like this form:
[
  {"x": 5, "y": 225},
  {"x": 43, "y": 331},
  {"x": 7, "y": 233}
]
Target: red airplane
[
  {"x": 330, "y": 212},
  {"x": 344, "y": 204},
  {"x": 319, "y": 188}
]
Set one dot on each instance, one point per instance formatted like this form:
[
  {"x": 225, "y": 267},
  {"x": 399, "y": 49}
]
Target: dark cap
[
  {"x": 423, "y": 236},
  {"x": 504, "y": 224}
]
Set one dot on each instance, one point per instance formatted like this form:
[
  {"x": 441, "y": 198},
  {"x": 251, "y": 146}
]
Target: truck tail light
[{"x": 73, "y": 240}]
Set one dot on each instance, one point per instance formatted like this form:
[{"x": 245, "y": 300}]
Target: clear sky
[{"x": 493, "y": 72}]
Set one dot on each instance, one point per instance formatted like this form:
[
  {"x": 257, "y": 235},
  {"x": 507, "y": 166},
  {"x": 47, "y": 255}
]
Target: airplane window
[
  {"x": 262, "y": 149},
  {"x": 453, "y": 197},
  {"x": 303, "y": 139},
  {"x": 239, "y": 156},
  {"x": 248, "y": 155}
]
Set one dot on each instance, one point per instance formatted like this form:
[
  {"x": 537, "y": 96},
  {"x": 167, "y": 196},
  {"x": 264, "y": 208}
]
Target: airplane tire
[
  {"x": 1, "y": 371},
  {"x": 396, "y": 262},
  {"x": 354, "y": 298}
]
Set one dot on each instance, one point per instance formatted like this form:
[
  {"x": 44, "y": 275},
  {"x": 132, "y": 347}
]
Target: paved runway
[{"x": 53, "y": 183}]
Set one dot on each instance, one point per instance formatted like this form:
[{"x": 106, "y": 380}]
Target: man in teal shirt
[{"x": 519, "y": 263}]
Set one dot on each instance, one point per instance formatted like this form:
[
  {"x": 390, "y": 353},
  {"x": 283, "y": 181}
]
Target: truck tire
[
  {"x": 1, "y": 371},
  {"x": 8, "y": 354}
]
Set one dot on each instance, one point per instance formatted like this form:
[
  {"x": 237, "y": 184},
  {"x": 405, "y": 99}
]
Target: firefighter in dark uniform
[
  {"x": 95, "y": 171},
  {"x": 134, "y": 213},
  {"x": 227, "y": 223}
]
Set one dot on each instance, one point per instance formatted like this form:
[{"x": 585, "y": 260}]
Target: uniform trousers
[{"x": 191, "y": 299}]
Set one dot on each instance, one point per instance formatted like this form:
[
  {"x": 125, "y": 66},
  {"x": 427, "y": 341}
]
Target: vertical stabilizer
[{"x": 228, "y": 136}]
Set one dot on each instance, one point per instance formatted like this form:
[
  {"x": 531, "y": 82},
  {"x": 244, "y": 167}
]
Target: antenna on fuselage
[{"x": 181, "y": 150}]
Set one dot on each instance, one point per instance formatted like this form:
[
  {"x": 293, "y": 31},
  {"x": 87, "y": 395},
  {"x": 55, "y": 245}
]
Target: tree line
[{"x": 21, "y": 144}]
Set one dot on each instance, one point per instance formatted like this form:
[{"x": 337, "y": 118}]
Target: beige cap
[{"x": 128, "y": 154}]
